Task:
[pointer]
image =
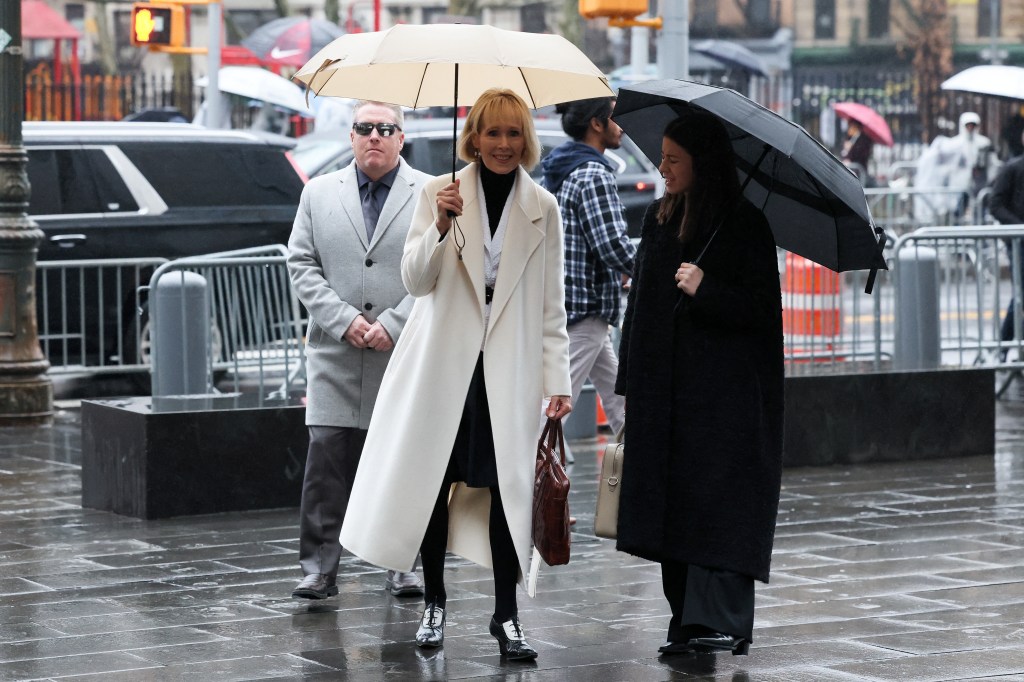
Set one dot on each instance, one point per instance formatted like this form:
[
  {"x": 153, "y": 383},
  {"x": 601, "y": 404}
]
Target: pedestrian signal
[
  {"x": 592, "y": 9},
  {"x": 154, "y": 24}
]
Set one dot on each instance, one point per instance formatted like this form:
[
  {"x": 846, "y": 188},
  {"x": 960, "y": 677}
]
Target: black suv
[
  {"x": 428, "y": 147},
  {"x": 142, "y": 190}
]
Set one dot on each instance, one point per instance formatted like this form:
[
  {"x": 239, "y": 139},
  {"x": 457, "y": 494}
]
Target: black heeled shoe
[
  {"x": 717, "y": 641},
  {"x": 430, "y": 634},
  {"x": 511, "y": 640}
]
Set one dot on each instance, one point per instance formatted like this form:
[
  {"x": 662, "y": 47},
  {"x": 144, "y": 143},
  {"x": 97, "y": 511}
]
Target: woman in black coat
[{"x": 701, "y": 366}]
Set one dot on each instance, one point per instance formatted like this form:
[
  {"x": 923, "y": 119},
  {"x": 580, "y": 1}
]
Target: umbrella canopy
[
  {"x": 732, "y": 55},
  {"x": 421, "y": 65},
  {"x": 258, "y": 83},
  {"x": 990, "y": 79},
  {"x": 291, "y": 41},
  {"x": 814, "y": 204},
  {"x": 871, "y": 122}
]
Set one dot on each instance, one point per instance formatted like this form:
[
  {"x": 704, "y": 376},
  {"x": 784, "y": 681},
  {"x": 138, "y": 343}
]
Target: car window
[
  {"x": 217, "y": 175},
  {"x": 320, "y": 154},
  {"x": 632, "y": 162},
  {"x": 76, "y": 181}
]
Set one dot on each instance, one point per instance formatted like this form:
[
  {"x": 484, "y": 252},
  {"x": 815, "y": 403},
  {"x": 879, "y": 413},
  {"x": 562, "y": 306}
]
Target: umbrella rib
[
  {"x": 419, "y": 88},
  {"x": 526, "y": 84}
]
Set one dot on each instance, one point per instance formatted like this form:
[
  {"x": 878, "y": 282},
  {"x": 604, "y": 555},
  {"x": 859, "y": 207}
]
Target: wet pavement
[{"x": 910, "y": 572}]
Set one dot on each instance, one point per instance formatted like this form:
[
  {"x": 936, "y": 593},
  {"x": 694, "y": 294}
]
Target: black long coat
[{"x": 703, "y": 380}]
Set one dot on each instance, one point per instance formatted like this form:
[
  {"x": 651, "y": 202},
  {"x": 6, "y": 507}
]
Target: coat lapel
[
  {"x": 352, "y": 204},
  {"x": 521, "y": 240},
  {"x": 472, "y": 229}
]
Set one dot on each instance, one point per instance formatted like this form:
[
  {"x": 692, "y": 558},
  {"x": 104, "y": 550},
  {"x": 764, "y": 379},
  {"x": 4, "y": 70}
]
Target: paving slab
[{"x": 905, "y": 571}]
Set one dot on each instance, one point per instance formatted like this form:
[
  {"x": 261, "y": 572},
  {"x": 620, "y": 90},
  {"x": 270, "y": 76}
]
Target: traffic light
[
  {"x": 621, "y": 9},
  {"x": 155, "y": 24}
]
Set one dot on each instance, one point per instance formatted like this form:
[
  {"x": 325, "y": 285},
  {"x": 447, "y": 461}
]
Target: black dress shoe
[
  {"x": 511, "y": 640},
  {"x": 717, "y": 641},
  {"x": 430, "y": 634},
  {"x": 672, "y": 648},
  {"x": 315, "y": 586}
]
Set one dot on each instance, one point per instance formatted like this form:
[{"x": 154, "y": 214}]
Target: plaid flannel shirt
[{"x": 597, "y": 248}]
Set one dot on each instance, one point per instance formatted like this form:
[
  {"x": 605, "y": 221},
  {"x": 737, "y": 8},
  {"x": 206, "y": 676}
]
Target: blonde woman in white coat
[{"x": 450, "y": 450}]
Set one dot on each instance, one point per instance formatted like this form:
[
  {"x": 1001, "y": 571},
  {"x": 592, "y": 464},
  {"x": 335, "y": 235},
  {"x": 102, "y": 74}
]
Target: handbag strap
[{"x": 551, "y": 436}]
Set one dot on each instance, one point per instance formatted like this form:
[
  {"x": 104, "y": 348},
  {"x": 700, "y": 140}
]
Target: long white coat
[{"x": 526, "y": 358}]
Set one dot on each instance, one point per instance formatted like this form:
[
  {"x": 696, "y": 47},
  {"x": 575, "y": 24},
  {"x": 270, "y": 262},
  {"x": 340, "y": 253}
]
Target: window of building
[
  {"x": 878, "y": 18},
  {"x": 824, "y": 19},
  {"x": 705, "y": 16},
  {"x": 989, "y": 13},
  {"x": 759, "y": 13}
]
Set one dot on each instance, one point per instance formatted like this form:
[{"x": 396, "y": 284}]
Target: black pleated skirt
[{"x": 473, "y": 459}]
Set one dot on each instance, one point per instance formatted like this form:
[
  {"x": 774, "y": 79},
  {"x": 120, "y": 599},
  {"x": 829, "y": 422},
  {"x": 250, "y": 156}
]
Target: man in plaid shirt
[{"x": 598, "y": 252}]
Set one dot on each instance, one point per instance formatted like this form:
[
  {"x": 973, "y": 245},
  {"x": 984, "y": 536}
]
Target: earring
[{"x": 476, "y": 153}]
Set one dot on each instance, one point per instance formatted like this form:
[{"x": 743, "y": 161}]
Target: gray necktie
[{"x": 371, "y": 208}]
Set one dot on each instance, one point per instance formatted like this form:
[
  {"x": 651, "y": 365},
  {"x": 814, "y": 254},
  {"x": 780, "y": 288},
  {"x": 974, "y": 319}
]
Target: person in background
[
  {"x": 598, "y": 251},
  {"x": 1006, "y": 203},
  {"x": 344, "y": 258},
  {"x": 857, "y": 149},
  {"x": 701, "y": 368},
  {"x": 1012, "y": 134},
  {"x": 455, "y": 449}
]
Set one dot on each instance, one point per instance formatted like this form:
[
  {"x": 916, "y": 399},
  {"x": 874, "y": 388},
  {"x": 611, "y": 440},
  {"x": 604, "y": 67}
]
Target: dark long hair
[{"x": 716, "y": 187}]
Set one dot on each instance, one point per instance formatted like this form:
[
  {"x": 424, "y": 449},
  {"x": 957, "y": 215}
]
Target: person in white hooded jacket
[{"x": 962, "y": 163}]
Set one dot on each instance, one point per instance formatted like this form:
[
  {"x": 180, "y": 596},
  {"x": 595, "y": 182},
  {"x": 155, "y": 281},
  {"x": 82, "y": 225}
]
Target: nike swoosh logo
[{"x": 278, "y": 53}]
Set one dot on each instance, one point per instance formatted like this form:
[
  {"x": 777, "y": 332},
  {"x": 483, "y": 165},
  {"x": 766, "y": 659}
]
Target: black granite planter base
[
  {"x": 889, "y": 416},
  {"x": 202, "y": 455}
]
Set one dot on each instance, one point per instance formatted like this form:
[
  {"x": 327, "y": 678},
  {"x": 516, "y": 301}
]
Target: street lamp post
[{"x": 26, "y": 393}]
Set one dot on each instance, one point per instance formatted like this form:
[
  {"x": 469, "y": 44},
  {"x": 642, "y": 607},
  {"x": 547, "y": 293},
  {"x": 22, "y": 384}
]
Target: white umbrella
[
  {"x": 445, "y": 64},
  {"x": 989, "y": 79},
  {"x": 256, "y": 83},
  {"x": 428, "y": 65}
]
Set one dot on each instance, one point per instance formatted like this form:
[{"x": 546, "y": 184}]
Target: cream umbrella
[{"x": 452, "y": 64}]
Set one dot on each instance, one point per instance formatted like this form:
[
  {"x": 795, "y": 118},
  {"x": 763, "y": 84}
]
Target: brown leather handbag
[{"x": 551, "y": 497}]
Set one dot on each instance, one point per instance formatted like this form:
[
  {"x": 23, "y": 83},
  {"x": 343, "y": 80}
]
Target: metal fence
[
  {"x": 256, "y": 321},
  {"x": 942, "y": 304},
  {"x": 91, "y": 314}
]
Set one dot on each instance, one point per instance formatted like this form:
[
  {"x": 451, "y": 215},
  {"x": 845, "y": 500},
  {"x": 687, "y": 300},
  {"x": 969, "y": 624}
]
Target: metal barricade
[
  {"x": 900, "y": 210},
  {"x": 89, "y": 312},
  {"x": 256, "y": 325},
  {"x": 975, "y": 266}
]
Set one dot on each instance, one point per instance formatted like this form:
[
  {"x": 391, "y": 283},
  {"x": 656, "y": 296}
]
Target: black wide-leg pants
[{"x": 706, "y": 600}]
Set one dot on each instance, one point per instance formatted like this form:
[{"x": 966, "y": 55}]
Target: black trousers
[
  {"x": 503, "y": 554},
  {"x": 331, "y": 463},
  {"x": 705, "y": 600}
]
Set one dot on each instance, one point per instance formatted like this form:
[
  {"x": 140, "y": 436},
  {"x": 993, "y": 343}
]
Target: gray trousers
[
  {"x": 331, "y": 464},
  {"x": 591, "y": 355}
]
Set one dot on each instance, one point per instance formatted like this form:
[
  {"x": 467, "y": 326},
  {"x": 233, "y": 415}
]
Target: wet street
[{"x": 911, "y": 572}]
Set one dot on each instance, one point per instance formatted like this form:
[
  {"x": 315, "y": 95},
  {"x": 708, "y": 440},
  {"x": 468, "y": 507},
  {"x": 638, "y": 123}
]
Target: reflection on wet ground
[{"x": 910, "y": 572}]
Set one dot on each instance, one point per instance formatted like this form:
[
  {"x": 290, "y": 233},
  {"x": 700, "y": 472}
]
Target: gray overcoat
[{"x": 338, "y": 275}]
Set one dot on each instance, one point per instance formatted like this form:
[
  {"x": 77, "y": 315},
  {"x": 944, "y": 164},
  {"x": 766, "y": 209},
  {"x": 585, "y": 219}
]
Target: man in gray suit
[{"x": 345, "y": 255}]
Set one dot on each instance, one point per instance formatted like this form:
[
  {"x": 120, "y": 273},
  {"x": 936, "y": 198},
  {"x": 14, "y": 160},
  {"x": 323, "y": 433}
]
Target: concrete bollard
[
  {"x": 181, "y": 334},
  {"x": 918, "y": 342}
]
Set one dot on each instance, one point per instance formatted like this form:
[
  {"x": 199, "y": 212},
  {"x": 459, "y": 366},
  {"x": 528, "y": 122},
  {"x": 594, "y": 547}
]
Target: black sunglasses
[{"x": 385, "y": 129}]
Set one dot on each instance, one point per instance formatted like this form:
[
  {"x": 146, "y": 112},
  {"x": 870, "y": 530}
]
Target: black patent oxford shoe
[
  {"x": 717, "y": 641},
  {"x": 315, "y": 586},
  {"x": 672, "y": 648},
  {"x": 511, "y": 640},
  {"x": 430, "y": 634}
]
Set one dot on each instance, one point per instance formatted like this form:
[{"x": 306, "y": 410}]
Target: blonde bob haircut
[{"x": 493, "y": 106}]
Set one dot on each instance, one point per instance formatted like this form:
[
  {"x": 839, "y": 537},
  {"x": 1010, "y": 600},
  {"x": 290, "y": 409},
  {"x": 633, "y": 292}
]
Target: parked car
[
  {"x": 428, "y": 147},
  {"x": 131, "y": 190}
]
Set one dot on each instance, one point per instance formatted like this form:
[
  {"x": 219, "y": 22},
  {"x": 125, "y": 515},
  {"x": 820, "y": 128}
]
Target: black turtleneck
[{"x": 496, "y": 188}]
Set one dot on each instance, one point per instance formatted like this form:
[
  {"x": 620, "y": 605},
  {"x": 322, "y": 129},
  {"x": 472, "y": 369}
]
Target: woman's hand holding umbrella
[
  {"x": 688, "y": 278},
  {"x": 449, "y": 205}
]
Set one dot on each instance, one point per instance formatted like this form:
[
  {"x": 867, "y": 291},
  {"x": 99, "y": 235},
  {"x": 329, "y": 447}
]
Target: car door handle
[{"x": 66, "y": 241}]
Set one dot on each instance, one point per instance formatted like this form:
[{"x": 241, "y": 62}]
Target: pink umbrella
[{"x": 871, "y": 122}]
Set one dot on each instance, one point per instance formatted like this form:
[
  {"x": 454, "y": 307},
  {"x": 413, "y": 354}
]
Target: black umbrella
[
  {"x": 814, "y": 204},
  {"x": 733, "y": 55}
]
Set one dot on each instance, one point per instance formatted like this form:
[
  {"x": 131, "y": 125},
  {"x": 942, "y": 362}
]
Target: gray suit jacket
[{"x": 338, "y": 275}]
